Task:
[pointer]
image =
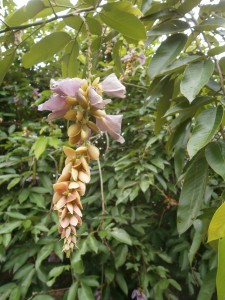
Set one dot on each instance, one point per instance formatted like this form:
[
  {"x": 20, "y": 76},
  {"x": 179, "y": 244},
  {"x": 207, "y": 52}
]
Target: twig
[
  {"x": 52, "y": 8},
  {"x": 102, "y": 188}
]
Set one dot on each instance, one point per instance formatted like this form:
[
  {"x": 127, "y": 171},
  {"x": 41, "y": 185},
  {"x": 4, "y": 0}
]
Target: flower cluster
[
  {"x": 138, "y": 294},
  {"x": 81, "y": 102},
  {"x": 69, "y": 188},
  {"x": 76, "y": 100}
]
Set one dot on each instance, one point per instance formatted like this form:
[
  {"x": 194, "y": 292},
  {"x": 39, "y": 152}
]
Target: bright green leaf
[
  {"x": 5, "y": 63},
  {"x": 40, "y": 146},
  {"x": 127, "y": 24},
  {"x": 208, "y": 286},
  {"x": 217, "y": 225},
  {"x": 85, "y": 292},
  {"x": 72, "y": 291},
  {"x": 9, "y": 227},
  {"x": 220, "y": 286}
]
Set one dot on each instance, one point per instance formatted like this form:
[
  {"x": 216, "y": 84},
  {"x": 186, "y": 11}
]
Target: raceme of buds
[
  {"x": 82, "y": 103},
  {"x": 69, "y": 189}
]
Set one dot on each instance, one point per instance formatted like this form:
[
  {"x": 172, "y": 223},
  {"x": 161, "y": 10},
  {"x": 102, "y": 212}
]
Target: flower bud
[
  {"x": 71, "y": 101},
  {"x": 98, "y": 113},
  {"x": 84, "y": 133},
  {"x": 71, "y": 115},
  {"x": 74, "y": 130},
  {"x": 93, "y": 152},
  {"x": 93, "y": 127}
]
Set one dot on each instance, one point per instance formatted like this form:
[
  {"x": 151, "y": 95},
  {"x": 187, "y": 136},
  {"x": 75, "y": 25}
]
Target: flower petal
[
  {"x": 65, "y": 222},
  {"x": 111, "y": 124},
  {"x": 68, "y": 86},
  {"x": 60, "y": 203},
  {"x": 113, "y": 87},
  {"x": 73, "y": 221},
  {"x": 55, "y": 103}
]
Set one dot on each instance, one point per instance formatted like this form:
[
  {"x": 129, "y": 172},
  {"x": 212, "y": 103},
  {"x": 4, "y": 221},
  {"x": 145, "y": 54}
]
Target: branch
[{"x": 20, "y": 27}]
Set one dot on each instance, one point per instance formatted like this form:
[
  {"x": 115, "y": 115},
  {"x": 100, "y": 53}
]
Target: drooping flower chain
[{"x": 75, "y": 101}]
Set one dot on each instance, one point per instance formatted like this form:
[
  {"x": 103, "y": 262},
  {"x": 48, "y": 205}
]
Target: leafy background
[{"x": 161, "y": 187}]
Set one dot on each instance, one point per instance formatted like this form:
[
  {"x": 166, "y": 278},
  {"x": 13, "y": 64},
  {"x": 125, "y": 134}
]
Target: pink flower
[
  {"x": 112, "y": 125},
  {"x": 96, "y": 100},
  {"x": 139, "y": 295},
  {"x": 113, "y": 87},
  {"x": 57, "y": 102}
]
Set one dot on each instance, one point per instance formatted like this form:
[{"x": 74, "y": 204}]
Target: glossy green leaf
[
  {"x": 43, "y": 297},
  {"x": 94, "y": 26},
  {"x": 192, "y": 194},
  {"x": 45, "y": 48},
  {"x": 215, "y": 155},
  {"x": 208, "y": 286},
  {"x": 74, "y": 22},
  {"x": 15, "y": 294},
  {"x": 25, "y": 13},
  {"x": 207, "y": 124},
  {"x": 121, "y": 235},
  {"x": 125, "y": 23},
  {"x": 196, "y": 75},
  {"x": 14, "y": 182},
  {"x": 171, "y": 26},
  {"x": 72, "y": 291},
  {"x": 117, "y": 57},
  {"x": 85, "y": 292},
  {"x": 216, "y": 228},
  {"x": 197, "y": 239},
  {"x": 220, "y": 286},
  {"x": 92, "y": 243},
  {"x": 166, "y": 53},
  {"x": 40, "y": 146},
  {"x": 5, "y": 63}
]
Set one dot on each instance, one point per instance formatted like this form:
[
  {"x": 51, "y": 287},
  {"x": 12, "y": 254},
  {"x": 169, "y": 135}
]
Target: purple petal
[
  {"x": 134, "y": 294},
  {"x": 111, "y": 124},
  {"x": 55, "y": 103},
  {"x": 56, "y": 115},
  {"x": 113, "y": 87},
  {"x": 95, "y": 98},
  {"x": 142, "y": 58},
  {"x": 68, "y": 86}
]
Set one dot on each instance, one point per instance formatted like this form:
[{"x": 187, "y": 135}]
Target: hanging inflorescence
[{"x": 82, "y": 103}]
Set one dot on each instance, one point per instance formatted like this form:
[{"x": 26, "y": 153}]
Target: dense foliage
[{"x": 147, "y": 227}]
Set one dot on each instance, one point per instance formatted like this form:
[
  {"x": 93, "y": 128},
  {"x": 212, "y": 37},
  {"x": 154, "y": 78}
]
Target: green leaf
[
  {"x": 23, "y": 195},
  {"x": 216, "y": 50},
  {"x": 94, "y": 26},
  {"x": 85, "y": 292},
  {"x": 215, "y": 156},
  {"x": 121, "y": 235},
  {"x": 43, "y": 254},
  {"x": 43, "y": 297},
  {"x": 125, "y": 23},
  {"x": 90, "y": 281},
  {"x": 122, "y": 283},
  {"x": 15, "y": 294},
  {"x": 16, "y": 215},
  {"x": 92, "y": 243},
  {"x": 166, "y": 53},
  {"x": 25, "y": 13},
  {"x": 171, "y": 26},
  {"x": 116, "y": 56},
  {"x": 121, "y": 255},
  {"x": 72, "y": 291},
  {"x": 187, "y": 6},
  {"x": 40, "y": 146},
  {"x": 26, "y": 282},
  {"x": 192, "y": 194},
  {"x": 210, "y": 24},
  {"x": 123, "y": 6},
  {"x": 217, "y": 226},
  {"x": 220, "y": 286},
  {"x": 5, "y": 63},
  {"x": 196, "y": 75},
  {"x": 14, "y": 182},
  {"x": 207, "y": 124},
  {"x": 45, "y": 48},
  {"x": 9, "y": 227},
  {"x": 70, "y": 63},
  {"x": 197, "y": 239},
  {"x": 208, "y": 286}
]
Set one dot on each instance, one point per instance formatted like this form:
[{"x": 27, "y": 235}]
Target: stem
[
  {"x": 20, "y": 27},
  {"x": 102, "y": 188},
  {"x": 52, "y": 8}
]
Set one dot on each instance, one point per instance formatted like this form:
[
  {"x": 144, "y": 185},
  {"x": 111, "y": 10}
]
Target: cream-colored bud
[
  {"x": 71, "y": 115},
  {"x": 71, "y": 101},
  {"x": 98, "y": 113},
  {"x": 84, "y": 133},
  {"x": 96, "y": 81},
  {"x": 79, "y": 115},
  {"x": 74, "y": 139},
  {"x": 74, "y": 130},
  {"x": 93, "y": 127},
  {"x": 93, "y": 152}
]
